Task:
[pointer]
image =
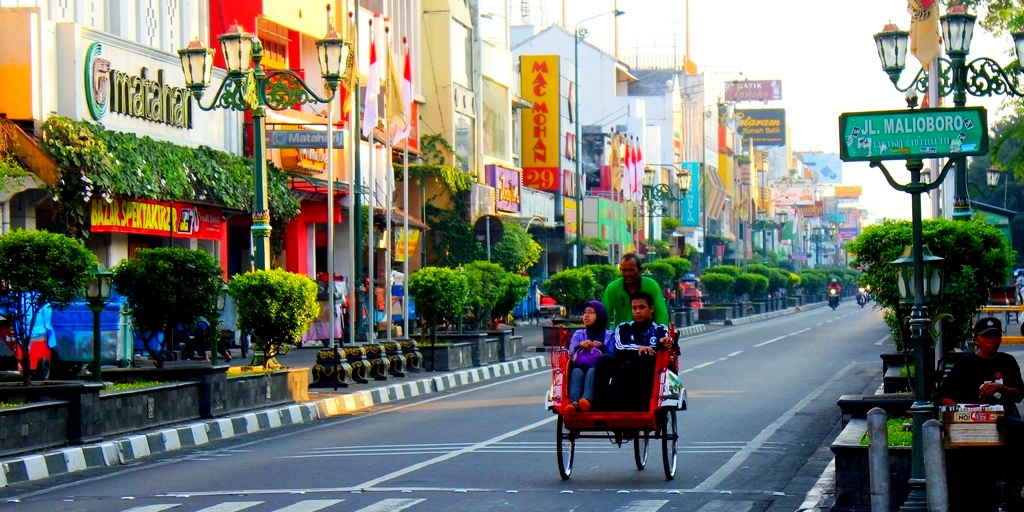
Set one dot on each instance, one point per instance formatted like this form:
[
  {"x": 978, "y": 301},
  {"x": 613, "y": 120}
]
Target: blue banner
[{"x": 691, "y": 203}]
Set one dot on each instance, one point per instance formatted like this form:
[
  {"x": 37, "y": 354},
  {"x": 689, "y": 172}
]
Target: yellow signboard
[
  {"x": 848, "y": 191},
  {"x": 540, "y": 85},
  {"x": 413, "y": 239}
]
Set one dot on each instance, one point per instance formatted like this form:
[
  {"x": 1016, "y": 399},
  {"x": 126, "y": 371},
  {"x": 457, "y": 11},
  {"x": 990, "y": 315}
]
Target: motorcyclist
[
  {"x": 834, "y": 285},
  {"x": 862, "y": 296}
]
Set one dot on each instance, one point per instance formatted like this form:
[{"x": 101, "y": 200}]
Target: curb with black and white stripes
[
  {"x": 690, "y": 330},
  {"x": 772, "y": 314},
  {"x": 127, "y": 449}
]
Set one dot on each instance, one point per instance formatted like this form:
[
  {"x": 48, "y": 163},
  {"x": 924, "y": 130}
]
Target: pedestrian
[
  {"x": 585, "y": 348},
  {"x": 617, "y": 296}
]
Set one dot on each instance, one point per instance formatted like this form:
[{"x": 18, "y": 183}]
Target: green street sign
[{"x": 913, "y": 134}]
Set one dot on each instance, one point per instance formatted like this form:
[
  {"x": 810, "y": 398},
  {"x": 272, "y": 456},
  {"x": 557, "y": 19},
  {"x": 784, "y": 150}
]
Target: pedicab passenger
[
  {"x": 585, "y": 348},
  {"x": 618, "y": 295},
  {"x": 624, "y": 378}
]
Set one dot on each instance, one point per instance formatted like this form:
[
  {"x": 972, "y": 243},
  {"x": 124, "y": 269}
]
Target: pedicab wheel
[
  {"x": 42, "y": 371},
  {"x": 669, "y": 436},
  {"x": 566, "y": 450},
  {"x": 640, "y": 444}
]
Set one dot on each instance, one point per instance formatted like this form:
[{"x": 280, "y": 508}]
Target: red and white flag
[
  {"x": 631, "y": 171},
  {"x": 406, "y": 89},
  {"x": 639, "y": 172},
  {"x": 925, "y": 39},
  {"x": 370, "y": 113}
]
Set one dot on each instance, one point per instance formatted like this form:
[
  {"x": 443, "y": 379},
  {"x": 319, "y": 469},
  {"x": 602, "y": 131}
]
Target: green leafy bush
[
  {"x": 794, "y": 281},
  {"x": 603, "y": 273},
  {"x": 754, "y": 285},
  {"x": 572, "y": 288},
  {"x": 39, "y": 268},
  {"x": 276, "y": 307},
  {"x": 439, "y": 292},
  {"x": 729, "y": 270},
  {"x": 485, "y": 288},
  {"x": 517, "y": 251},
  {"x": 514, "y": 288},
  {"x": 165, "y": 287},
  {"x": 719, "y": 285},
  {"x": 812, "y": 282},
  {"x": 680, "y": 265},
  {"x": 663, "y": 273}
]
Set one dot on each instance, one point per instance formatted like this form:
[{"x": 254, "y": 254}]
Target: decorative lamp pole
[
  {"x": 764, "y": 225},
  {"x": 253, "y": 89},
  {"x": 222, "y": 296},
  {"x": 979, "y": 77},
  {"x": 98, "y": 295},
  {"x": 579, "y": 34},
  {"x": 992, "y": 176},
  {"x": 659, "y": 199}
]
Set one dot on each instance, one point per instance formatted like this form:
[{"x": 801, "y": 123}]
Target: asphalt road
[{"x": 762, "y": 402}]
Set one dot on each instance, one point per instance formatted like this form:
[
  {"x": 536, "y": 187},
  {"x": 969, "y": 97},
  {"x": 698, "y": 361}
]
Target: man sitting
[{"x": 629, "y": 364}]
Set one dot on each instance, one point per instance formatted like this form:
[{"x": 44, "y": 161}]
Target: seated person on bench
[{"x": 629, "y": 364}]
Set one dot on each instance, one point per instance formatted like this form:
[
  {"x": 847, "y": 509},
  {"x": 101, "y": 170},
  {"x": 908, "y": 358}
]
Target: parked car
[{"x": 549, "y": 307}]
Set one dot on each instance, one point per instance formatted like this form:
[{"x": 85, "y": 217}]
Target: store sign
[
  {"x": 506, "y": 183},
  {"x": 753, "y": 90},
  {"x": 815, "y": 210},
  {"x": 762, "y": 126},
  {"x": 541, "y": 155},
  {"x": 913, "y": 134},
  {"x": 691, "y": 201},
  {"x": 108, "y": 89},
  {"x": 145, "y": 217},
  {"x": 412, "y": 238},
  {"x": 849, "y": 191}
]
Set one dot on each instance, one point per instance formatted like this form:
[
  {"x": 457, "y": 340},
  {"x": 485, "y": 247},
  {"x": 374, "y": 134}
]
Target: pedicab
[{"x": 640, "y": 427}]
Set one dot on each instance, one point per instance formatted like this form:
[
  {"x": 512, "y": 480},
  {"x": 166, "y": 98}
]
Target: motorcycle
[
  {"x": 862, "y": 297},
  {"x": 833, "y": 298}
]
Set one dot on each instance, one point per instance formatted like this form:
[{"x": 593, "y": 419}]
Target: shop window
[{"x": 275, "y": 44}]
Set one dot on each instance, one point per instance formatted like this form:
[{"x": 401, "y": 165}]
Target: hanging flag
[
  {"x": 370, "y": 113},
  {"x": 925, "y": 38},
  {"x": 351, "y": 72},
  {"x": 639, "y": 171},
  {"x": 407, "y": 97},
  {"x": 394, "y": 104},
  {"x": 630, "y": 171}
]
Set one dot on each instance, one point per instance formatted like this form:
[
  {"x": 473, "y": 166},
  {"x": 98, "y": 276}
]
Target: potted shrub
[
  {"x": 514, "y": 289},
  {"x": 752, "y": 285},
  {"x": 572, "y": 289},
  {"x": 165, "y": 287},
  {"x": 38, "y": 268},
  {"x": 275, "y": 308},
  {"x": 439, "y": 293},
  {"x": 484, "y": 290},
  {"x": 604, "y": 274}
]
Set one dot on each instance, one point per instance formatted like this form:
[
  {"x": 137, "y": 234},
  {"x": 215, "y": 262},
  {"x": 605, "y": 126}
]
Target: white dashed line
[
  {"x": 734, "y": 354},
  {"x": 773, "y": 340},
  {"x": 699, "y": 366}
]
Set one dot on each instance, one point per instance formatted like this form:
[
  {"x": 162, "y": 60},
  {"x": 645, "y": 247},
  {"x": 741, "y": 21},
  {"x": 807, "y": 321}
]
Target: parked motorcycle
[
  {"x": 833, "y": 299},
  {"x": 862, "y": 297}
]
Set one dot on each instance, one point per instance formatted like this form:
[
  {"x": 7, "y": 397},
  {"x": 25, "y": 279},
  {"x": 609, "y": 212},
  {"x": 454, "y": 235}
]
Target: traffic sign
[
  {"x": 489, "y": 225},
  {"x": 303, "y": 139},
  {"x": 913, "y": 134}
]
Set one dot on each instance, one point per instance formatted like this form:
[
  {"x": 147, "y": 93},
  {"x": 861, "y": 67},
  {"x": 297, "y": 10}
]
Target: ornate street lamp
[
  {"x": 979, "y": 77},
  {"x": 253, "y": 89},
  {"x": 992, "y": 176},
  {"x": 579, "y": 34},
  {"x": 659, "y": 199},
  {"x": 764, "y": 225},
  {"x": 222, "y": 296},
  {"x": 934, "y": 278},
  {"x": 97, "y": 294}
]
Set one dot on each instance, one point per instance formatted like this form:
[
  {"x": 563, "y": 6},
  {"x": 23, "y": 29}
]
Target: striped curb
[
  {"x": 773, "y": 314},
  {"x": 690, "y": 330},
  {"x": 127, "y": 449}
]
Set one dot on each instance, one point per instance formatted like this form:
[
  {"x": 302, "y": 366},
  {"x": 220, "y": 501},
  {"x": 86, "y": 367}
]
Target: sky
[{"x": 823, "y": 51}]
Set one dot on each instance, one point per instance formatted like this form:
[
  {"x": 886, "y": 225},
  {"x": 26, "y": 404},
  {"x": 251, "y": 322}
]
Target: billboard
[
  {"x": 541, "y": 156},
  {"x": 848, "y": 191},
  {"x": 792, "y": 192},
  {"x": 848, "y": 233},
  {"x": 762, "y": 126},
  {"x": 506, "y": 187},
  {"x": 812, "y": 211},
  {"x": 828, "y": 166},
  {"x": 753, "y": 90}
]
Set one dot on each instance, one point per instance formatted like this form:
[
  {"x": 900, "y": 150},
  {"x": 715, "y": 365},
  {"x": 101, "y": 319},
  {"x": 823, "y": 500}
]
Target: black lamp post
[
  {"x": 659, "y": 199},
  {"x": 764, "y": 225},
  {"x": 256, "y": 90},
  {"x": 818, "y": 236},
  {"x": 97, "y": 295},
  {"x": 979, "y": 77},
  {"x": 222, "y": 296}
]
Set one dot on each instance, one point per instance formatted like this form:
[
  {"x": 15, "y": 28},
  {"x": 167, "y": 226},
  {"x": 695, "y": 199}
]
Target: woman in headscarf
[{"x": 585, "y": 348}]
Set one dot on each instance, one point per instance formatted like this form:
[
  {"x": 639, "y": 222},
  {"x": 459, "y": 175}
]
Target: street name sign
[
  {"x": 303, "y": 139},
  {"x": 913, "y": 134}
]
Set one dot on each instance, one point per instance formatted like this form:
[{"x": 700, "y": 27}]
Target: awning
[
  {"x": 398, "y": 218},
  {"x": 716, "y": 193}
]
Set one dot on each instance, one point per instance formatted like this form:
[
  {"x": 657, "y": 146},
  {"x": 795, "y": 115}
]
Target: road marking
[
  {"x": 882, "y": 341},
  {"x": 737, "y": 460},
  {"x": 643, "y": 506},
  {"x": 727, "y": 506},
  {"x": 734, "y": 354},
  {"x": 451, "y": 455},
  {"x": 309, "y": 506},
  {"x": 391, "y": 505},
  {"x": 773, "y": 340},
  {"x": 152, "y": 508},
  {"x": 703, "y": 365},
  {"x": 722, "y": 358},
  {"x": 231, "y": 506}
]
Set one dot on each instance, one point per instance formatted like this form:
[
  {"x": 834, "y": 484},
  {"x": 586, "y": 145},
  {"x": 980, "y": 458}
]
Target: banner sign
[
  {"x": 569, "y": 216},
  {"x": 541, "y": 156},
  {"x": 304, "y": 139},
  {"x": 691, "y": 201},
  {"x": 849, "y": 191},
  {"x": 828, "y": 166},
  {"x": 506, "y": 183},
  {"x": 753, "y": 90},
  {"x": 146, "y": 217},
  {"x": 763, "y": 126},
  {"x": 412, "y": 238},
  {"x": 913, "y": 134},
  {"x": 793, "y": 192},
  {"x": 812, "y": 211},
  {"x": 848, "y": 233}
]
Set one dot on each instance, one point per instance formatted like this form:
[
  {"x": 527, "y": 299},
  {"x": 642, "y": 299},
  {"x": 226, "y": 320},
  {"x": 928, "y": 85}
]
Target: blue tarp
[{"x": 72, "y": 331}]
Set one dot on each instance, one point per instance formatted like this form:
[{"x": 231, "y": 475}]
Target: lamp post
[
  {"x": 97, "y": 295},
  {"x": 222, "y": 295},
  {"x": 764, "y": 225},
  {"x": 658, "y": 199},
  {"x": 579, "y": 34},
  {"x": 817, "y": 237},
  {"x": 255, "y": 90},
  {"x": 979, "y": 77},
  {"x": 992, "y": 178}
]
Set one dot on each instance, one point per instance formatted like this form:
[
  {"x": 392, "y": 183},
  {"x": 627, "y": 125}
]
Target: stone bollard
[
  {"x": 935, "y": 466},
  {"x": 878, "y": 458}
]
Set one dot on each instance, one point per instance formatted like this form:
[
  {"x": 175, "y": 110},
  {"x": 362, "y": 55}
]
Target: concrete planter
[
  {"x": 509, "y": 347},
  {"x": 455, "y": 356},
  {"x": 485, "y": 347},
  {"x": 714, "y": 314},
  {"x": 853, "y": 485},
  {"x": 683, "y": 317}
]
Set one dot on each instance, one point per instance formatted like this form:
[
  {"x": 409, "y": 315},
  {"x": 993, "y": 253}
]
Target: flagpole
[
  {"x": 330, "y": 222},
  {"x": 389, "y": 185},
  {"x": 356, "y": 201},
  {"x": 371, "y": 291}
]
